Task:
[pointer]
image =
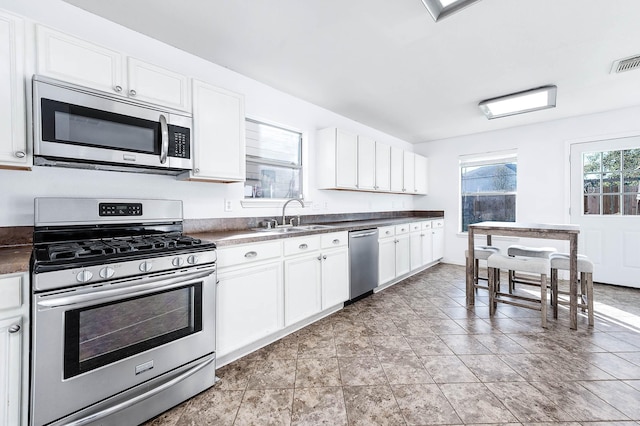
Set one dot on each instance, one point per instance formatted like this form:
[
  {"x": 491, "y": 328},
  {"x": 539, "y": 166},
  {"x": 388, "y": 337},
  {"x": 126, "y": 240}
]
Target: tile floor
[{"x": 414, "y": 355}]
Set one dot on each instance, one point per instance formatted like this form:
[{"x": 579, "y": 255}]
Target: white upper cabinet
[
  {"x": 383, "y": 167},
  {"x": 366, "y": 163},
  {"x": 150, "y": 83},
  {"x": 396, "y": 169},
  {"x": 420, "y": 173},
  {"x": 346, "y": 148},
  {"x": 67, "y": 58},
  {"x": 218, "y": 134},
  {"x": 408, "y": 173},
  {"x": 13, "y": 142}
]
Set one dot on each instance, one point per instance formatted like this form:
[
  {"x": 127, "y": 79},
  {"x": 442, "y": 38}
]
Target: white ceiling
[{"x": 387, "y": 64}]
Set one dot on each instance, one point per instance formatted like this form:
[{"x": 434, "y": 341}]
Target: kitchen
[{"x": 539, "y": 143}]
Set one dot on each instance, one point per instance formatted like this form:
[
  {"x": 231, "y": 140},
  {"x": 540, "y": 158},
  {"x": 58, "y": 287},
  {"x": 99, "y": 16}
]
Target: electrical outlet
[{"x": 227, "y": 206}]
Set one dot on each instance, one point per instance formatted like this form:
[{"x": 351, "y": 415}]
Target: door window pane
[{"x": 591, "y": 204}]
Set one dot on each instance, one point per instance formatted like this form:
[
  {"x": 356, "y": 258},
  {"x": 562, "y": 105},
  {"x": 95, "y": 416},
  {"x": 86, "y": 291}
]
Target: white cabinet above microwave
[{"x": 76, "y": 61}]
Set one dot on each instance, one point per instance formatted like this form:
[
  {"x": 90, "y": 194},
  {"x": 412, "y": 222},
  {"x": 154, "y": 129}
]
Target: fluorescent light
[
  {"x": 440, "y": 9},
  {"x": 519, "y": 103}
]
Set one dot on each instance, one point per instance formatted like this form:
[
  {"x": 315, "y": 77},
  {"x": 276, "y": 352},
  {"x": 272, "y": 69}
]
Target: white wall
[
  {"x": 201, "y": 200},
  {"x": 543, "y": 170}
]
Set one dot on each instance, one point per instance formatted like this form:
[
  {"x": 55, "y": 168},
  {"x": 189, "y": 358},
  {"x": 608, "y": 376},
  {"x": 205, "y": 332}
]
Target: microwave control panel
[{"x": 179, "y": 142}]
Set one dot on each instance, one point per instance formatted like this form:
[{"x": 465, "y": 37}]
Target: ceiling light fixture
[
  {"x": 519, "y": 103},
  {"x": 440, "y": 9}
]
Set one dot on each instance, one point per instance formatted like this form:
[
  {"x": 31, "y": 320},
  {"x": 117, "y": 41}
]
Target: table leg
[
  {"x": 573, "y": 282},
  {"x": 470, "y": 266}
]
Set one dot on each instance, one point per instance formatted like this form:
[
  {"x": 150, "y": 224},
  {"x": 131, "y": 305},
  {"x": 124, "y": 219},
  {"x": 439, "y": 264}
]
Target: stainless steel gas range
[{"x": 123, "y": 311}]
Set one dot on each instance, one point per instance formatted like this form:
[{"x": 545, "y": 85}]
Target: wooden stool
[
  {"x": 584, "y": 298},
  {"x": 525, "y": 251},
  {"x": 480, "y": 253},
  {"x": 530, "y": 265}
]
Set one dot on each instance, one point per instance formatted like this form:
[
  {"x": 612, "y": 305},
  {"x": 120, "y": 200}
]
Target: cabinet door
[
  {"x": 386, "y": 260},
  {"x": 383, "y": 167},
  {"x": 408, "y": 173},
  {"x": 427, "y": 246},
  {"x": 249, "y": 305},
  {"x": 335, "y": 277},
  {"x": 366, "y": 163},
  {"x": 346, "y": 160},
  {"x": 421, "y": 167},
  {"x": 438, "y": 243},
  {"x": 415, "y": 247},
  {"x": 150, "y": 83},
  {"x": 218, "y": 134},
  {"x": 10, "y": 370},
  {"x": 403, "y": 255},
  {"x": 302, "y": 288},
  {"x": 13, "y": 142},
  {"x": 77, "y": 61},
  {"x": 396, "y": 169}
]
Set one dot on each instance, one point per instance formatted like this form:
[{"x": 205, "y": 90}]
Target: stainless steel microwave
[{"x": 76, "y": 126}]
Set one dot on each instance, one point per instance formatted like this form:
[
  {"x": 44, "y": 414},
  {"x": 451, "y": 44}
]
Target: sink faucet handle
[
  {"x": 271, "y": 221},
  {"x": 297, "y": 219}
]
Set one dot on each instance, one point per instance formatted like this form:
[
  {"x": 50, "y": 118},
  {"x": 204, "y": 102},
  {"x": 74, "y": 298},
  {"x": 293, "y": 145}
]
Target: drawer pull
[
  {"x": 388, "y": 232},
  {"x": 303, "y": 246},
  {"x": 319, "y": 257},
  {"x": 250, "y": 254},
  {"x": 336, "y": 241},
  {"x": 14, "y": 328},
  {"x": 324, "y": 257}
]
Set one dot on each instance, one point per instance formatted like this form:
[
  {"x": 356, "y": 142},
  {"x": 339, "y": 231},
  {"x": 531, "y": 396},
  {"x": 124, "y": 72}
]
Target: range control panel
[{"x": 120, "y": 209}]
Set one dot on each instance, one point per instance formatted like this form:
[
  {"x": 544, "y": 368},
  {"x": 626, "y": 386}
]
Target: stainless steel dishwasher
[{"x": 363, "y": 262}]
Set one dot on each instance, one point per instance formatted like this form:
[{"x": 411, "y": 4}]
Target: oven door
[
  {"x": 76, "y": 124},
  {"x": 92, "y": 343}
]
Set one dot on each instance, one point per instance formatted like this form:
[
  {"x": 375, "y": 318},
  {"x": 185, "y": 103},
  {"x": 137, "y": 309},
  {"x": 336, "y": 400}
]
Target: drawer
[
  {"x": 426, "y": 225},
  {"x": 402, "y": 229},
  {"x": 415, "y": 226},
  {"x": 334, "y": 239},
  {"x": 386, "y": 231},
  {"x": 247, "y": 253},
  {"x": 11, "y": 292},
  {"x": 437, "y": 223},
  {"x": 300, "y": 245}
]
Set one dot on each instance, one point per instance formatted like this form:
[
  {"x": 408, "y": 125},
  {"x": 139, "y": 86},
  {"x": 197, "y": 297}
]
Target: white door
[
  {"x": 408, "y": 173},
  {"x": 151, "y": 83},
  {"x": 383, "y": 167},
  {"x": 346, "y": 160},
  {"x": 335, "y": 277},
  {"x": 605, "y": 203},
  {"x": 416, "y": 249},
  {"x": 302, "y": 289},
  {"x": 397, "y": 174},
  {"x": 10, "y": 370},
  {"x": 386, "y": 260},
  {"x": 403, "y": 255},
  {"x": 366, "y": 163}
]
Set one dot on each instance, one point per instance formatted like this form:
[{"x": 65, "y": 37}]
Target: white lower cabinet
[
  {"x": 394, "y": 247},
  {"x": 14, "y": 339},
  {"x": 438, "y": 239},
  {"x": 335, "y": 277},
  {"x": 302, "y": 287}
]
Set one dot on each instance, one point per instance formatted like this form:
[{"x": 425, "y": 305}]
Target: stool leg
[
  {"x": 589, "y": 282},
  {"x": 554, "y": 292},
  {"x": 543, "y": 300},
  {"x": 476, "y": 271},
  {"x": 583, "y": 288},
  {"x": 512, "y": 285},
  {"x": 491, "y": 279}
]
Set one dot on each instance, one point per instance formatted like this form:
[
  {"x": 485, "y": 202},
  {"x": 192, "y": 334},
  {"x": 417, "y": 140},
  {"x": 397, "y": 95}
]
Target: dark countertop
[
  {"x": 16, "y": 258},
  {"x": 229, "y": 238}
]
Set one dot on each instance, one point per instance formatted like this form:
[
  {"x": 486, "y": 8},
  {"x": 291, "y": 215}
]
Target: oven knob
[
  {"x": 146, "y": 266},
  {"x": 193, "y": 259},
  {"x": 107, "y": 272},
  {"x": 84, "y": 276},
  {"x": 177, "y": 261}
]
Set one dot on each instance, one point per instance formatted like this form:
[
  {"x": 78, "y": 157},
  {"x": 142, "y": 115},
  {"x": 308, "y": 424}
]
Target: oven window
[
  {"x": 102, "y": 334},
  {"x": 77, "y": 125}
]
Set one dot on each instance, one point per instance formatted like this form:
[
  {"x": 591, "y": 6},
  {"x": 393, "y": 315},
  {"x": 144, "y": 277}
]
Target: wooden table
[{"x": 530, "y": 230}]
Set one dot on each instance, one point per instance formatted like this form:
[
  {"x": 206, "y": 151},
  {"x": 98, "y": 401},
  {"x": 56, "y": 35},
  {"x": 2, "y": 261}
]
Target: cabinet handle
[
  {"x": 303, "y": 246},
  {"x": 20, "y": 154},
  {"x": 250, "y": 254},
  {"x": 336, "y": 241},
  {"x": 404, "y": 189},
  {"x": 132, "y": 92},
  {"x": 422, "y": 235},
  {"x": 357, "y": 186},
  {"x": 388, "y": 232},
  {"x": 118, "y": 89},
  {"x": 196, "y": 171},
  {"x": 402, "y": 229},
  {"x": 324, "y": 256},
  {"x": 396, "y": 241},
  {"x": 14, "y": 328},
  {"x": 319, "y": 257}
]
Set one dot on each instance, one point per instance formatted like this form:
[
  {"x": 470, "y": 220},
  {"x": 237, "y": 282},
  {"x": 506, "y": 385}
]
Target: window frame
[
  {"x": 256, "y": 160},
  {"x": 485, "y": 159}
]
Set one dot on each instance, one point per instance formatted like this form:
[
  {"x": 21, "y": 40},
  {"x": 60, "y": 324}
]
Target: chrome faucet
[{"x": 285, "y": 206}]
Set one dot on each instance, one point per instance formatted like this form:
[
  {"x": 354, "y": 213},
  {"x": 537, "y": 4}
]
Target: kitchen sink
[{"x": 293, "y": 229}]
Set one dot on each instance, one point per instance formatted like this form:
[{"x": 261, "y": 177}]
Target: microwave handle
[{"x": 164, "y": 131}]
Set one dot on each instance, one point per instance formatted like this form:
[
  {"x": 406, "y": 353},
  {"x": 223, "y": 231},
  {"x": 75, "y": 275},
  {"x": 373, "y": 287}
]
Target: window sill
[{"x": 262, "y": 203}]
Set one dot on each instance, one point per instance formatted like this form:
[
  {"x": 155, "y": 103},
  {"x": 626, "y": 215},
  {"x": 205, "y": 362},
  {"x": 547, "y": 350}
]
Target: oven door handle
[
  {"x": 130, "y": 402},
  {"x": 145, "y": 286}
]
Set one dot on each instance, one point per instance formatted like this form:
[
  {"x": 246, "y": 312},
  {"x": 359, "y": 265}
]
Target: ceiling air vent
[{"x": 627, "y": 64}]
